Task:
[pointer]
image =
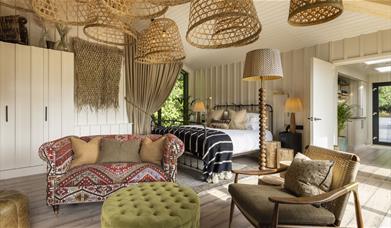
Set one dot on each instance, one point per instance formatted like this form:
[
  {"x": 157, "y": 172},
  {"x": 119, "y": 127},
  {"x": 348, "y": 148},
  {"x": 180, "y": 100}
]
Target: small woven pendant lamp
[
  {"x": 304, "y": 12},
  {"x": 140, "y": 9},
  {"x": 107, "y": 28},
  {"x": 222, "y": 23},
  {"x": 67, "y": 12},
  {"x": 160, "y": 43}
]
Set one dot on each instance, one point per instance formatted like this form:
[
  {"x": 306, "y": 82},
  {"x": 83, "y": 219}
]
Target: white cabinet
[{"x": 36, "y": 102}]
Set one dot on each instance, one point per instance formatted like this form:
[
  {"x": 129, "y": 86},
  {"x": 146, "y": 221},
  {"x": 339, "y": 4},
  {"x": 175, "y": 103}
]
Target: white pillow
[{"x": 252, "y": 121}]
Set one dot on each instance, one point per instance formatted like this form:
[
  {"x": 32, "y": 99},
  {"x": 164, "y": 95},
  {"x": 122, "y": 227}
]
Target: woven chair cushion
[{"x": 253, "y": 201}]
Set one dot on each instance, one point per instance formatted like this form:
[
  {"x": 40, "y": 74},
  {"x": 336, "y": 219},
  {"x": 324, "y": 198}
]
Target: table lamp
[
  {"x": 293, "y": 105},
  {"x": 262, "y": 64},
  {"x": 199, "y": 107}
]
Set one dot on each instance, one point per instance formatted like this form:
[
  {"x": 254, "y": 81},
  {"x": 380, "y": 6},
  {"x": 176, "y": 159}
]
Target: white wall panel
[
  {"x": 22, "y": 106},
  {"x": 67, "y": 101}
]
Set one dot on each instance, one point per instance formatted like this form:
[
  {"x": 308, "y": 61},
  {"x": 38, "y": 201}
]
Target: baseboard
[{"x": 21, "y": 172}]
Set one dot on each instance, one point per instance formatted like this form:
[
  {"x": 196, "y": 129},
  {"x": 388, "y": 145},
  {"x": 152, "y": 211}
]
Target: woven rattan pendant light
[
  {"x": 140, "y": 9},
  {"x": 69, "y": 12},
  {"x": 168, "y": 2},
  {"x": 160, "y": 43},
  {"x": 107, "y": 28},
  {"x": 304, "y": 12},
  {"x": 222, "y": 23}
]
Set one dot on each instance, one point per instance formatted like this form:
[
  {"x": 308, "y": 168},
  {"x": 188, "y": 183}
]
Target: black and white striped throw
[{"x": 216, "y": 151}]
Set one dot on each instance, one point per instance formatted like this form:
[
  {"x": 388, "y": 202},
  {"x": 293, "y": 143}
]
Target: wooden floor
[{"x": 375, "y": 194}]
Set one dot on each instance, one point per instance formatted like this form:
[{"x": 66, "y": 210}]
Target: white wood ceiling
[{"x": 277, "y": 33}]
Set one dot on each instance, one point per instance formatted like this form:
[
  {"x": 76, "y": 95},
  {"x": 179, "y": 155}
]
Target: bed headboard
[{"x": 249, "y": 108}]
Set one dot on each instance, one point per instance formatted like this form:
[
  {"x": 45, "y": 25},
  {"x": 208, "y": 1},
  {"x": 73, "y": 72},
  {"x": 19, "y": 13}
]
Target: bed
[{"x": 213, "y": 154}]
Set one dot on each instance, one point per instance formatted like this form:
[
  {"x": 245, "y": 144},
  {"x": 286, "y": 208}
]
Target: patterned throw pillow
[
  {"x": 214, "y": 115},
  {"x": 306, "y": 177},
  {"x": 221, "y": 124}
]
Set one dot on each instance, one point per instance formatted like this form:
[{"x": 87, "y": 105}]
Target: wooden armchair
[{"x": 270, "y": 206}]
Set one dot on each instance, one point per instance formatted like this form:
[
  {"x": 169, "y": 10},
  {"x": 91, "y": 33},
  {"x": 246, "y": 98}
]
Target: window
[
  {"x": 175, "y": 109},
  {"x": 382, "y": 113}
]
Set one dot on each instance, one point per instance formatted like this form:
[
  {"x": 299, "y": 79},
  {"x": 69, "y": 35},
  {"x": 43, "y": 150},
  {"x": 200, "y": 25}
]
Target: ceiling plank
[{"x": 377, "y": 8}]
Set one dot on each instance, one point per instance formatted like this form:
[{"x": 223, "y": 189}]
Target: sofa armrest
[
  {"x": 172, "y": 150},
  {"x": 57, "y": 154}
]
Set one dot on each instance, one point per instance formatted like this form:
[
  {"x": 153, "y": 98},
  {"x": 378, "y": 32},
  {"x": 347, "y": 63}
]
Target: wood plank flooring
[{"x": 374, "y": 189}]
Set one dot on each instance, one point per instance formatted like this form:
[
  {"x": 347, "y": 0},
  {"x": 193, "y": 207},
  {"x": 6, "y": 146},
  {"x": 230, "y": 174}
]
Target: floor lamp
[{"x": 262, "y": 64}]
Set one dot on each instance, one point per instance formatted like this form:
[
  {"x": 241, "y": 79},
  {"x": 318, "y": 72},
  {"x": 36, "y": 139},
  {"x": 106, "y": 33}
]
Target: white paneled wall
[{"x": 223, "y": 82}]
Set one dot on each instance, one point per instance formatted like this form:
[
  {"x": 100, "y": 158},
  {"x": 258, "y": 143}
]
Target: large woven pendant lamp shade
[
  {"x": 305, "y": 12},
  {"x": 140, "y": 9},
  {"x": 107, "y": 28},
  {"x": 69, "y": 12},
  {"x": 160, "y": 43},
  {"x": 262, "y": 64},
  {"x": 222, "y": 23},
  {"x": 168, "y": 2}
]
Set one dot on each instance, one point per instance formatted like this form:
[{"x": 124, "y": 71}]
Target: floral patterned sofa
[{"x": 94, "y": 183}]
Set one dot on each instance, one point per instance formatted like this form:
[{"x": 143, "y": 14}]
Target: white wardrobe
[{"x": 31, "y": 111}]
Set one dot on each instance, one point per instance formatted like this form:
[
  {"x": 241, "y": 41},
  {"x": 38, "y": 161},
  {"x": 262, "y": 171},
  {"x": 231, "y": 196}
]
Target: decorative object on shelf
[
  {"x": 198, "y": 108},
  {"x": 97, "y": 75},
  {"x": 62, "y": 44},
  {"x": 107, "y": 28},
  {"x": 168, "y": 2},
  {"x": 222, "y": 23},
  {"x": 344, "y": 114},
  {"x": 50, "y": 44},
  {"x": 13, "y": 29},
  {"x": 304, "y": 12},
  {"x": 160, "y": 43},
  {"x": 262, "y": 64},
  {"x": 130, "y": 9},
  {"x": 69, "y": 12},
  {"x": 293, "y": 105}
]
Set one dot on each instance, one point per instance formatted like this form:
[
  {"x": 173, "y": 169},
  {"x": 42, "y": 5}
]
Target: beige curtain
[{"x": 147, "y": 88}]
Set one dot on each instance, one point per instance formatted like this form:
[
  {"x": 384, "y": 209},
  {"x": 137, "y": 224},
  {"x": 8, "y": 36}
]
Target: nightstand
[{"x": 291, "y": 141}]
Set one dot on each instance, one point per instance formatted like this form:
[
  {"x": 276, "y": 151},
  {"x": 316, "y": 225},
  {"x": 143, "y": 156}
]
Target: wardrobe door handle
[
  {"x": 46, "y": 113},
  {"x": 6, "y": 113}
]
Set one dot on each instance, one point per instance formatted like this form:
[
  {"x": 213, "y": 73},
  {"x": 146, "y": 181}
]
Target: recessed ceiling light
[
  {"x": 378, "y": 61},
  {"x": 384, "y": 69}
]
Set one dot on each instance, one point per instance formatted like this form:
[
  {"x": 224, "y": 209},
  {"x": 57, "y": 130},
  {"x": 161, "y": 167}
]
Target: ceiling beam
[{"x": 377, "y": 8}]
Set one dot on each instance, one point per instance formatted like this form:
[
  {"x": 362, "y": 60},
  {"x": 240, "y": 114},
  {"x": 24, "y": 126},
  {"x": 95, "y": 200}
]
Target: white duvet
[{"x": 242, "y": 140}]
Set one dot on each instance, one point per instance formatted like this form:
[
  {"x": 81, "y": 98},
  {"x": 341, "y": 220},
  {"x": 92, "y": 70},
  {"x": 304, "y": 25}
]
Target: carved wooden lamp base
[{"x": 262, "y": 128}]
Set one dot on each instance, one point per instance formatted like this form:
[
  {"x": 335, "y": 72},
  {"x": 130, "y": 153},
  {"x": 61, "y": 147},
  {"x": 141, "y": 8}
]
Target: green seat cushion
[
  {"x": 158, "y": 204},
  {"x": 253, "y": 200}
]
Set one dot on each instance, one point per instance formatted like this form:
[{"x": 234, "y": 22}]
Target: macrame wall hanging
[{"x": 97, "y": 75}]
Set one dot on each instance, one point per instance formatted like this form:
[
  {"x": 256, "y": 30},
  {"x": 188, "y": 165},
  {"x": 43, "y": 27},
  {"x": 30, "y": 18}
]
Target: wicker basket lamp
[
  {"x": 262, "y": 64},
  {"x": 107, "y": 28},
  {"x": 160, "y": 43},
  {"x": 140, "y": 9},
  {"x": 69, "y": 12},
  {"x": 222, "y": 23},
  {"x": 304, "y": 12},
  {"x": 168, "y": 2}
]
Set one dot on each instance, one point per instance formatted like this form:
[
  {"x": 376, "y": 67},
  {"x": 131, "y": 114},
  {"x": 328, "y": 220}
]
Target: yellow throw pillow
[
  {"x": 85, "y": 152},
  {"x": 152, "y": 151}
]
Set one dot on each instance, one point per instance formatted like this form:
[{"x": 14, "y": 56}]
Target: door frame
[{"x": 375, "y": 113}]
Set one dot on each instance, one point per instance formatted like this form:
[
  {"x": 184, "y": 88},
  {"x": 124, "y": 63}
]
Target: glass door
[{"x": 382, "y": 113}]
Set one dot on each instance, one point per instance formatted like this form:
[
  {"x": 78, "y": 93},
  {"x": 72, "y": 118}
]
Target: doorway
[{"x": 381, "y": 95}]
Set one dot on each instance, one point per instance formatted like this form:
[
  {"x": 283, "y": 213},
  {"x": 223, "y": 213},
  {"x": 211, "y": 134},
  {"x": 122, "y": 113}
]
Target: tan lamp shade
[
  {"x": 293, "y": 105},
  {"x": 199, "y": 106},
  {"x": 263, "y": 64}
]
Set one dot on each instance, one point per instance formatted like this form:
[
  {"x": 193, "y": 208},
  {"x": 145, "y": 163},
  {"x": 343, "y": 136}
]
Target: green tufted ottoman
[{"x": 152, "y": 205}]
